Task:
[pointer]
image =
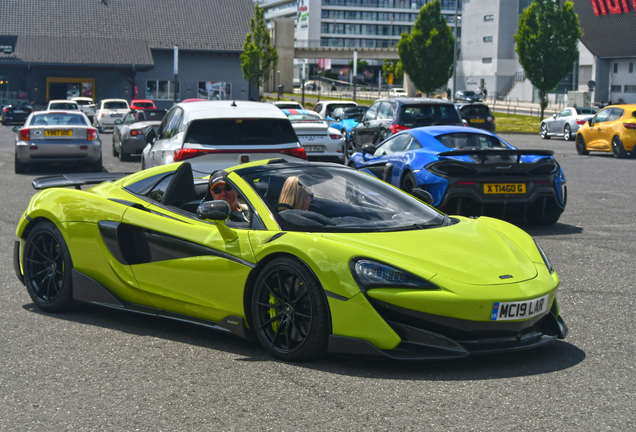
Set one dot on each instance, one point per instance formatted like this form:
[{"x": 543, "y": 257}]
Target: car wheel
[
  {"x": 543, "y": 215},
  {"x": 544, "y": 131},
  {"x": 289, "y": 310},
  {"x": 123, "y": 156},
  {"x": 115, "y": 153},
  {"x": 47, "y": 268},
  {"x": 143, "y": 162},
  {"x": 351, "y": 148},
  {"x": 408, "y": 182},
  {"x": 98, "y": 166},
  {"x": 580, "y": 145},
  {"x": 4, "y": 122},
  {"x": 18, "y": 166},
  {"x": 567, "y": 133},
  {"x": 617, "y": 148}
]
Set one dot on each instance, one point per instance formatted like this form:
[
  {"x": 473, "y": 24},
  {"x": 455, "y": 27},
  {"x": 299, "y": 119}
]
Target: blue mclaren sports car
[{"x": 470, "y": 172}]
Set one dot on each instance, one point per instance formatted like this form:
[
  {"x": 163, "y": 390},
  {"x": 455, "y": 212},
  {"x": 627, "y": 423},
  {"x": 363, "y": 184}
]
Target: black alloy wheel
[
  {"x": 580, "y": 145},
  {"x": 47, "y": 268},
  {"x": 617, "y": 148},
  {"x": 408, "y": 183},
  {"x": 123, "y": 156},
  {"x": 544, "y": 131},
  {"x": 567, "y": 133},
  {"x": 289, "y": 311}
]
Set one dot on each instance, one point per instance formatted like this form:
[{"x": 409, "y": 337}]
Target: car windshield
[
  {"x": 332, "y": 107},
  {"x": 587, "y": 110},
  {"x": 225, "y": 132},
  {"x": 145, "y": 104},
  {"x": 58, "y": 119},
  {"x": 63, "y": 106},
  {"x": 18, "y": 102},
  {"x": 151, "y": 115},
  {"x": 338, "y": 199},
  {"x": 470, "y": 140},
  {"x": 470, "y": 93},
  {"x": 429, "y": 114},
  {"x": 115, "y": 105},
  {"x": 352, "y": 113}
]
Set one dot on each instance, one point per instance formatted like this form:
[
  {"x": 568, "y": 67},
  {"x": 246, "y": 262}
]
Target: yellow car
[{"x": 613, "y": 129}]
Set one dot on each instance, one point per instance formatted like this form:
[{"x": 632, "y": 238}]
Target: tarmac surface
[{"x": 99, "y": 369}]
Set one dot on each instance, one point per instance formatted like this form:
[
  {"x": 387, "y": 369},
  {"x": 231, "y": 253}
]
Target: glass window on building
[
  {"x": 486, "y": 60},
  {"x": 159, "y": 90},
  {"x": 615, "y": 67},
  {"x": 489, "y": 17},
  {"x": 487, "y": 38},
  {"x": 616, "y": 88},
  {"x": 631, "y": 68},
  {"x": 630, "y": 89}
]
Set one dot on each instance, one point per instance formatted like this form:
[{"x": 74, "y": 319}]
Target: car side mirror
[
  {"x": 218, "y": 211},
  {"x": 118, "y": 122},
  {"x": 423, "y": 195},
  {"x": 100, "y": 129},
  {"x": 15, "y": 128},
  {"x": 150, "y": 135},
  {"x": 590, "y": 122},
  {"x": 368, "y": 148},
  {"x": 553, "y": 116}
]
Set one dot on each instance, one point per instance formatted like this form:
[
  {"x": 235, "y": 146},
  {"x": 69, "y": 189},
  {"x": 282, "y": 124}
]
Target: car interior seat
[{"x": 181, "y": 192}]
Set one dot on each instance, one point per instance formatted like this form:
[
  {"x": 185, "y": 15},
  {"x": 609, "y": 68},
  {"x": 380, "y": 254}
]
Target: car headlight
[
  {"x": 545, "y": 258},
  {"x": 373, "y": 274}
]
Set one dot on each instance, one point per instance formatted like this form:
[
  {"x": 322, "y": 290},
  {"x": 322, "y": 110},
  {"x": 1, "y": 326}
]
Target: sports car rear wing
[
  {"x": 75, "y": 180},
  {"x": 484, "y": 153}
]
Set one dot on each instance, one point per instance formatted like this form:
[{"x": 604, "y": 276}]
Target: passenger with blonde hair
[{"x": 295, "y": 195}]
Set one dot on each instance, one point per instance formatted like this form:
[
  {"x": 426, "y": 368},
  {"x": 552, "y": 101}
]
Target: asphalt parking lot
[{"x": 98, "y": 369}]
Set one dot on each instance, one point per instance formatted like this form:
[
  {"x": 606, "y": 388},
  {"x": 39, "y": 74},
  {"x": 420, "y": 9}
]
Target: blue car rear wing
[
  {"x": 484, "y": 153},
  {"x": 76, "y": 180}
]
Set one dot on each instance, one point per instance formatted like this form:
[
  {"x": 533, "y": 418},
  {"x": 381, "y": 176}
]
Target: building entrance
[{"x": 66, "y": 88}]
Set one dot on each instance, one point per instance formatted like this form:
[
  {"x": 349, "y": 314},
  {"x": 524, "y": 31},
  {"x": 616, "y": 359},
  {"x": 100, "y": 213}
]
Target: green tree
[
  {"x": 547, "y": 43},
  {"x": 393, "y": 67},
  {"x": 427, "y": 52},
  {"x": 259, "y": 57}
]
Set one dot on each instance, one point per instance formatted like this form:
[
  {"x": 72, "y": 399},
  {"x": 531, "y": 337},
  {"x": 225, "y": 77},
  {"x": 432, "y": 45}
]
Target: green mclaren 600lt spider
[{"x": 307, "y": 258}]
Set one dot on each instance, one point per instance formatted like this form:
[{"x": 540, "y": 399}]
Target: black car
[
  {"x": 16, "y": 111},
  {"x": 466, "y": 95},
  {"x": 391, "y": 115},
  {"x": 478, "y": 116}
]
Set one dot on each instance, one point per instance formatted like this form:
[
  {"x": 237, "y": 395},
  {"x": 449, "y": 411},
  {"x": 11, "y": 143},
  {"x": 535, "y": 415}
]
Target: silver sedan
[
  {"x": 129, "y": 133},
  {"x": 566, "y": 123},
  {"x": 321, "y": 142},
  {"x": 49, "y": 137}
]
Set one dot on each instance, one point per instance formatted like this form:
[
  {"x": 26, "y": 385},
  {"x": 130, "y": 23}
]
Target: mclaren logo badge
[{"x": 505, "y": 276}]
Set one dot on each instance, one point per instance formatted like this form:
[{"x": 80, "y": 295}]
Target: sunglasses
[{"x": 217, "y": 190}]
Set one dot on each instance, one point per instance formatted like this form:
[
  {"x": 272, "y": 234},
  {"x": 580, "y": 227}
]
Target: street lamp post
[
  {"x": 278, "y": 73},
  {"x": 454, "y": 89}
]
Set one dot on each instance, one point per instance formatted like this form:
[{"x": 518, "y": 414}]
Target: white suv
[
  {"x": 325, "y": 109},
  {"x": 231, "y": 132},
  {"x": 109, "y": 111},
  {"x": 62, "y": 104},
  {"x": 87, "y": 106}
]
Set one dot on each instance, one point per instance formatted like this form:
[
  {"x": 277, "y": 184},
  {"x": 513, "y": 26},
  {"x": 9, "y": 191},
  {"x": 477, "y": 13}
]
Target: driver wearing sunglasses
[{"x": 221, "y": 190}]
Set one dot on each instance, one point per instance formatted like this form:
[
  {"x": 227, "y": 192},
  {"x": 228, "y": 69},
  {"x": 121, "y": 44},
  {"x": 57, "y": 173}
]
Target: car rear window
[
  {"x": 587, "y": 110},
  {"x": 429, "y": 114},
  {"x": 144, "y": 104},
  {"x": 240, "y": 132},
  {"x": 63, "y": 106},
  {"x": 477, "y": 110},
  {"x": 289, "y": 105},
  {"x": 115, "y": 105},
  {"x": 84, "y": 102},
  {"x": 464, "y": 141},
  {"x": 332, "y": 107},
  {"x": 18, "y": 102},
  {"x": 351, "y": 113},
  {"x": 58, "y": 119}
]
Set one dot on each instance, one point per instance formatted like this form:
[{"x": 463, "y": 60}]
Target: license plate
[
  {"x": 116, "y": 115},
  {"x": 314, "y": 149},
  {"x": 56, "y": 133},
  {"x": 310, "y": 138},
  {"x": 18, "y": 112},
  {"x": 504, "y": 188},
  {"x": 503, "y": 311},
  {"x": 476, "y": 120}
]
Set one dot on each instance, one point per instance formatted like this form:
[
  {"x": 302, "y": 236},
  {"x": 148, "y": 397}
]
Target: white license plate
[
  {"x": 116, "y": 115},
  {"x": 310, "y": 138},
  {"x": 18, "y": 112},
  {"x": 502, "y": 311},
  {"x": 314, "y": 149}
]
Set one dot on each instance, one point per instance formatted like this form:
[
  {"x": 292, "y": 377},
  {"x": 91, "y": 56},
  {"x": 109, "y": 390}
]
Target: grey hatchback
[{"x": 49, "y": 137}]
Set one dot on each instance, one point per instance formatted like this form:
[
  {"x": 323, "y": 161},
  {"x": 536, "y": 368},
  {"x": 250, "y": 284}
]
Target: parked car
[
  {"x": 16, "y": 111},
  {"x": 389, "y": 116},
  {"x": 566, "y": 123},
  {"x": 235, "y": 131},
  {"x": 612, "y": 129},
  {"x": 62, "y": 104},
  {"x": 470, "y": 172},
  {"x": 109, "y": 111},
  {"x": 193, "y": 100},
  {"x": 344, "y": 120},
  {"x": 478, "y": 115},
  {"x": 467, "y": 96},
  {"x": 288, "y": 105},
  {"x": 321, "y": 142},
  {"x": 366, "y": 270},
  {"x": 138, "y": 104},
  {"x": 87, "y": 106},
  {"x": 312, "y": 86},
  {"x": 129, "y": 133},
  {"x": 397, "y": 92},
  {"x": 57, "y": 137},
  {"x": 326, "y": 108}
]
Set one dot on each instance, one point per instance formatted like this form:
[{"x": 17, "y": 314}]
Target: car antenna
[{"x": 233, "y": 103}]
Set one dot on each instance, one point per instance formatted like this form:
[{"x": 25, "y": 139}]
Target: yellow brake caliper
[{"x": 273, "y": 312}]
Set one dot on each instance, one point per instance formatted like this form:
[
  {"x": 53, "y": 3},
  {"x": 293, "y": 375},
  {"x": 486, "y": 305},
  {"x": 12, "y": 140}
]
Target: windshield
[
  {"x": 291, "y": 105},
  {"x": 338, "y": 199},
  {"x": 352, "y": 113},
  {"x": 63, "y": 106},
  {"x": 477, "y": 110},
  {"x": 145, "y": 104},
  {"x": 151, "y": 115},
  {"x": 429, "y": 115},
  {"x": 115, "y": 105},
  {"x": 84, "y": 102},
  {"x": 332, "y": 107},
  {"x": 58, "y": 119},
  {"x": 469, "y": 141},
  {"x": 587, "y": 110},
  {"x": 241, "y": 132},
  {"x": 470, "y": 93}
]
